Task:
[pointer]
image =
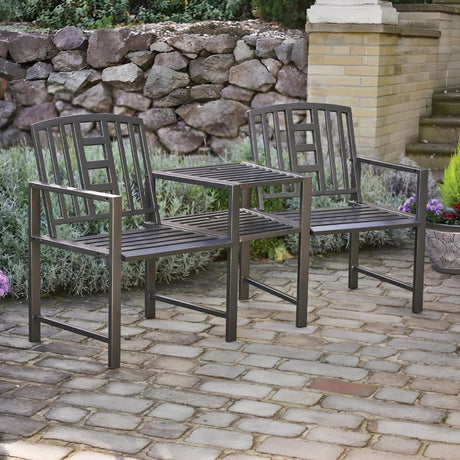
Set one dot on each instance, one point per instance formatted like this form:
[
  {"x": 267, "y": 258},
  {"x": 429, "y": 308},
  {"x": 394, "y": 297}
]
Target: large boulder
[
  {"x": 181, "y": 138},
  {"x": 162, "y": 80},
  {"x": 73, "y": 82},
  {"x": 220, "y": 118},
  {"x": 189, "y": 44},
  {"x": 98, "y": 98},
  {"x": 31, "y": 48},
  {"x": 39, "y": 71},
  {"x": 219, "y": 44},
  {"x": 11, "y": 71},
  {"x": 173, "y": 60},
  {"x": 29, "y": 92},
  {"x": 213, "y": 69},
  {"x": 69, "y": 38},
  {"x": 66, "y": 61},
  {"x": 7, "y": 109},
  {"x": 127, "y": 76},
  {"x": 292, "y": 82},
  {"x": 129, "y": 99},
  {"x": 155, "y": 119},
  {"x": 26, "y": 116},
  {"x": 251, "y": 75}
]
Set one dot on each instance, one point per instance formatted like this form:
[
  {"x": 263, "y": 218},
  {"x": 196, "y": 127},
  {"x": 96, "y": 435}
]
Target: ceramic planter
[{"x": 443, "y": 247}]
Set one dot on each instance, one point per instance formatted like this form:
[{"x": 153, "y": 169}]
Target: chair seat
[
  {"x": 252, "y": 224},
  {"x": 360, "y": 217},
  {"x": 150, "y": 242}
]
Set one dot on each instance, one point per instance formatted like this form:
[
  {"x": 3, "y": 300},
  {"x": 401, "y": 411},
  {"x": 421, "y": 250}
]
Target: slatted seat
[
  {"x": 96, "y": 167},
  {"x": 318, "y": 140}
]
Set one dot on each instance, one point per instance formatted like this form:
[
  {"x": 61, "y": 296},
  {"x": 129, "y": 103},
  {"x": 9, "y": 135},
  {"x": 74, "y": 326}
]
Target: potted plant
[{"x": 443, "y": 220}]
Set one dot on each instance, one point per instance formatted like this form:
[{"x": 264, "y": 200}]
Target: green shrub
[
  {"x": 291, "y": 13},
  {"x": 75, "y": 273},
  {"x": 450, "y": 186}
]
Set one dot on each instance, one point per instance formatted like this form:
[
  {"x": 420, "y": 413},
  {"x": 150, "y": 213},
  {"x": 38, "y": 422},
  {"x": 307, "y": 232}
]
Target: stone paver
[{"x": 367, "y": 379}]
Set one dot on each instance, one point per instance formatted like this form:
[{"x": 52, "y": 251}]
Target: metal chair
[
  {"x": 94, "y": 168},
  {"x": 318, "y": 140}
]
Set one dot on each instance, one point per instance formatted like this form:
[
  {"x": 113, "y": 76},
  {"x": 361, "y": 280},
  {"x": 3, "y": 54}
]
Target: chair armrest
[
  {"x": 101, "y": 196},
  {"x": 389, "y": 165},
  {"x": 422, "y": 182}
]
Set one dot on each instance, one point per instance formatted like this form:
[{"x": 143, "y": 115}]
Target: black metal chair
[
  {"x": 96, "y": 167},
  {"x": 318, "y": 140}
]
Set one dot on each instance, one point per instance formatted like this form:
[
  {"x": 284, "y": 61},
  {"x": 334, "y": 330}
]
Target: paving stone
[
  {"x": 220, "y": 370},
  {"x": 35, "y": 392},
  {"x": 102, "y": 439},
  {"x": 441, "y": 401},
  {"x": 236, "y": 389},
  {"x": 92, "y": 455},
  {"x": 179, "y": 351},
  {"x": 383, "y": 409},
  {"x": 435, "y": 385},
  {"x": 84, "y": 383},
  {"x": 442, "y": 451},
  {"x": 336, "y": 436},
  {"x": 281, "y": 379},
  {"x": 377, "y": 351},
  {"x": 453, "y": 419},
  {"x": 343, "y": 387},
  {"x": 17, "y": 406},
  {"x": 176, "y": 326},
  {"x": 223, "y": 356},
  {"x": 70, "y": 349},
  {"x": 177, "y": 412},
  {"x": 66, "y": 414},
  {"x": 125, "y": 389},
  {"x": 32, "y": 451},
  {"x": 422, "y": 345},
  {"x": 344, "y": 334},
  {"x": 221, "y": 438},
  {"x": 299, "y": 449},
  {"x": 284, "y": 327},
  {"x": 17, "y": 356},
  {"x": 282, "y": 351},
  {"x": 114, "y": 420},
  {"x": 425, "y": 357},
  {"x": 19, "y": 426},
  {"x": 32, "y": 374},
  {"x": 367, "y": 454},
  {"x": 272, "y": 427},
  {"x": 418, "y": 430},
  {"x": 442, "y": 372},
  {"x": 108, "y": 402},
  {"x": 260, "y": 361},
  {"x": 169, "y": 451},
  {"x": 397, "y": 445},
  {"x": 259, "y": 408},
  {"x": 166, "y": 429},
  {"x": 73, "y": 365},
  {"x": 191, "y": 398},
  {"x": 321, "y": 417},
  {"x": 381, "y": 365},
  {"x": 304, "y": 398},
  {"x": 216, "y": 419},
  {"x": 327, "y": 370},
  {"x": 397, "y": 394},
  {"x": 343, "y": 347}
]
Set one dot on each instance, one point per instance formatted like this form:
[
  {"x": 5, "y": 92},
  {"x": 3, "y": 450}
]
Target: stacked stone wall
[{"x": 192, "y": 85}]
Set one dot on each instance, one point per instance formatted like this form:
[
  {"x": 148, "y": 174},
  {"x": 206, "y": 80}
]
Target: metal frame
[
  {"x": 70, "y": 195},
  {"x": 318, "y": 140}
]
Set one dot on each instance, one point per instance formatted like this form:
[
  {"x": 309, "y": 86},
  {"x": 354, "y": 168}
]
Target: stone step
[
  {"x": 431, "y": 156},
  {"x": 447, "y": 103},
  {"x": 440, "y": 130}
]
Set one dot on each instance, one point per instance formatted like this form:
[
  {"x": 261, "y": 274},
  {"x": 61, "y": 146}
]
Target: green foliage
[
  {"x": 291, "y": 13},
  {"x": 450, "y": 186},
  {"x": 65, "y": 271}
]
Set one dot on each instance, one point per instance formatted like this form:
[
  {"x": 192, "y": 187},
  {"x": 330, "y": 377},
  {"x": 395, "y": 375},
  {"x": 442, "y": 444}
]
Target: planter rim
[{"x": 443, "y": 227}]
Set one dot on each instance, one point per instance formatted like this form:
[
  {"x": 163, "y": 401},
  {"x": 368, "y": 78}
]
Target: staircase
[{"x": 438, "y": 133}]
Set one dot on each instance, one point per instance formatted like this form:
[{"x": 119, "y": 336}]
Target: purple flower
[{"x": 3, "y": 284}]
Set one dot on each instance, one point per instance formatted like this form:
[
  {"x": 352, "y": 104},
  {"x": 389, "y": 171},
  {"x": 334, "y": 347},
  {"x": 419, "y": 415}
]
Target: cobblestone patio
[{"x": 367, "y": 379}]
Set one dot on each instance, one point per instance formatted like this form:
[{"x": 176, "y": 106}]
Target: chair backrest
[
  {"x": 97, "y": 152},
  {"x": 308, "y": 138}
]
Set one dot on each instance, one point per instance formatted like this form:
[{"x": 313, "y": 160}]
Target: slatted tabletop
[{"x": 244, "y": 175}]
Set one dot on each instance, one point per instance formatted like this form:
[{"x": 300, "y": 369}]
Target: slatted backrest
[
  {"x": 97, "y": 152},
  {"x": 308, "y": 138}
]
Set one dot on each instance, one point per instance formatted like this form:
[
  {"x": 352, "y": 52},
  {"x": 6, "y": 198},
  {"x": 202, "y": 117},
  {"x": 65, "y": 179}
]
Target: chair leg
[
  {"x": 353, "y": 260},
  {"x": 232, "y": 296},
  {"x": 34, "y": 266},
  {"x": 245, "y": 256},
  {"x": 150, "y": 310},
  {"x": 419, "y": 269}
]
